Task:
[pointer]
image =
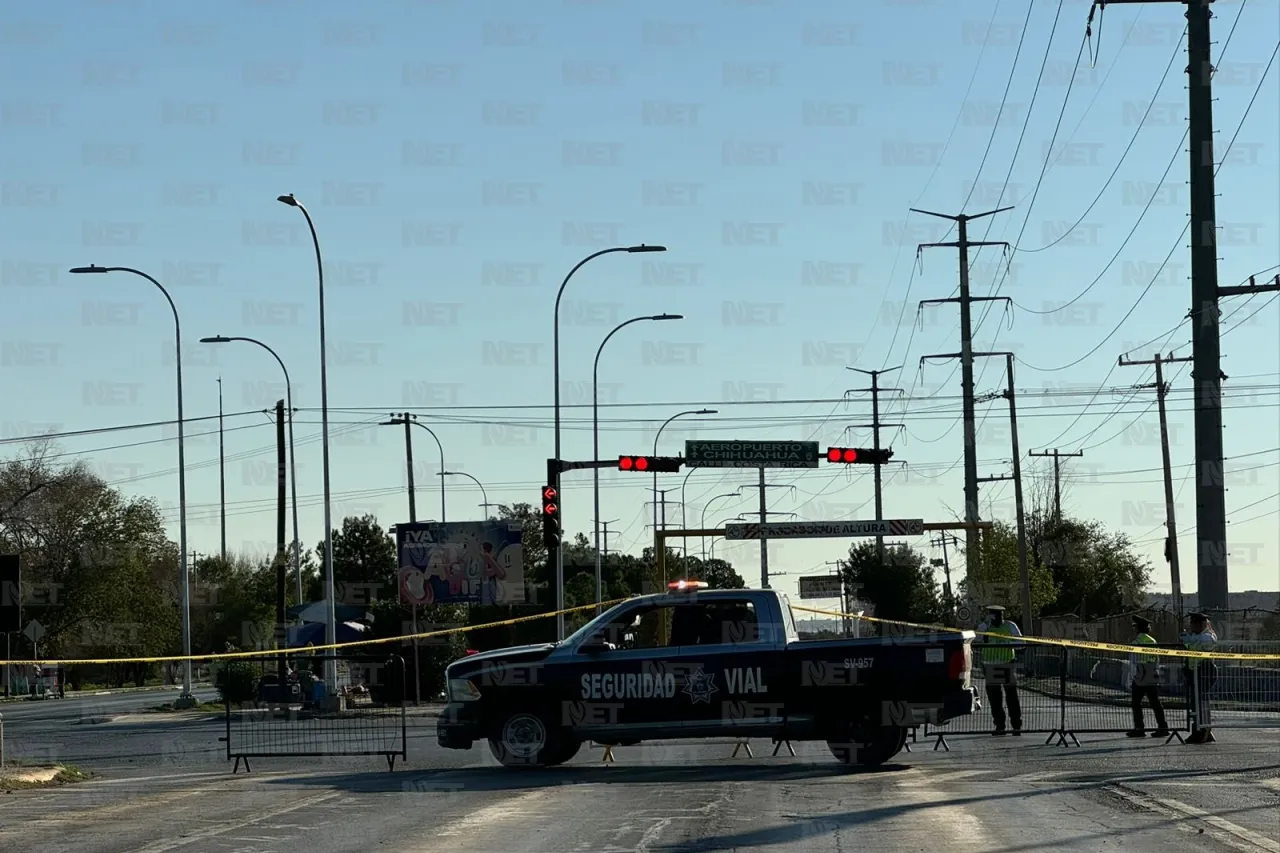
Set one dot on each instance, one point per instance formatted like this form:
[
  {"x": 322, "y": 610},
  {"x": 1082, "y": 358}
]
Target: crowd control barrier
[
  {"x": 1064, "y": 692},
  {"x": 364, "y": 715}
]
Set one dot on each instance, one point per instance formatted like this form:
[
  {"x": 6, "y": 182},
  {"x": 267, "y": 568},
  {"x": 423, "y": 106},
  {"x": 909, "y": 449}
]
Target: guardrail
[{"x": 365, "y": 714}]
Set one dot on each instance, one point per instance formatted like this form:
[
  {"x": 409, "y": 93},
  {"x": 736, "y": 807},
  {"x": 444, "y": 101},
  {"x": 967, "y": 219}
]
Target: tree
[
  {"x": 901, "y": 588},
  {"x": 365, "y": 562},
  {"x": 99, "y": 573},
  {"x": 998, "y": 575},
  {"x": 1078, "y": 567}
]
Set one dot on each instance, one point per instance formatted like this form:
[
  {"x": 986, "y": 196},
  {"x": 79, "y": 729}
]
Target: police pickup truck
[{"x": 695, "y": 663}]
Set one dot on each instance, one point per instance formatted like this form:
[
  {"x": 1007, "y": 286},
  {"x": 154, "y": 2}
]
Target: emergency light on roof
[{"x": 681, "y": 586}]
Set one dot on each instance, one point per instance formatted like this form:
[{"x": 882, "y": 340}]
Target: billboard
[
  {"x": 822, "y": 586},
  {"x": 465, "y": 562}
]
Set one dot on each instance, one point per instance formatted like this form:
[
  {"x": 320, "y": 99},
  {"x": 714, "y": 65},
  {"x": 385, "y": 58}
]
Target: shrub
[{"x": 237, "y": 681}]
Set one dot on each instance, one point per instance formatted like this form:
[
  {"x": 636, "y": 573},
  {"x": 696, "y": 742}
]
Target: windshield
[{"x": 591, "y": 626}]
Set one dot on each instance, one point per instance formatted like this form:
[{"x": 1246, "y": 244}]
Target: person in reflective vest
[
  {"x": 1201, "y": 638},
  {"x": 1145, "y": 683},
  {"x": 999, "y": 667}
]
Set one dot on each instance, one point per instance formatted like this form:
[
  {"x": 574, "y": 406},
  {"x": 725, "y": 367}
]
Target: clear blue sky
[{"x": 459, "y": 158}]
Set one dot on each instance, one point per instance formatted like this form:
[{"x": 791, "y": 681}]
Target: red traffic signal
[
  {"x": 550, "y": 500},
  {"x": 654, "y": 464},
  {"x": 858, "y": 455}
]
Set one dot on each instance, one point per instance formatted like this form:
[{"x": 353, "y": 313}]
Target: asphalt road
[{"x": 996, "y": 796}]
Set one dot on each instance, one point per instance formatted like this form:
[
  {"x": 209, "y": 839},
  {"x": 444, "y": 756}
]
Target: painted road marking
[
  {"x": 237, "y": 823},
  {"x": 1231, "y": 833}
]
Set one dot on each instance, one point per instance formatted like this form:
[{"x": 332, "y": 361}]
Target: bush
[{"x": 237, "y": 681}]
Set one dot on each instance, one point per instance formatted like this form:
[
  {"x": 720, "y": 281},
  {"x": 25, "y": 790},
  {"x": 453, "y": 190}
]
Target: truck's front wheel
[
  {"x": 868, "y": 745},
  {"x": 528, "y": 739}
]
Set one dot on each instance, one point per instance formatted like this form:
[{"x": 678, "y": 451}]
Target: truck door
[
  {"x": 730, "y": 663},
  {"x": 617, "y": 682}
]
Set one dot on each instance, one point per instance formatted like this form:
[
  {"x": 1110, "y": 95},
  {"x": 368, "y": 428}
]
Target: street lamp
[
  {"x": 736, "y": 494},
  {"x": 331, "y": 622},
  {"x": 655, "y": 453},
  {"x": 186, "y": 699},
  {"x": 595, "y": 433},
  {"x": 293, "y": 456},
  {"x": 484, "y": 496},
  {"x": 555, "y": 335}
]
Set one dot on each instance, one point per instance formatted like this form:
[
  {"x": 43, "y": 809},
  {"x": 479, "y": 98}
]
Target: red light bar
[{"x": 681, "y": 586}]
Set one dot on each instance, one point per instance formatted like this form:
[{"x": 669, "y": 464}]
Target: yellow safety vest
[
  {"x": 1146, "y": 640},
  {"x": 999, "y": 655}
]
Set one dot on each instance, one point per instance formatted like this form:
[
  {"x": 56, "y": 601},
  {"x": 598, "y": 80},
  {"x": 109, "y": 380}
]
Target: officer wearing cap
[
  {"x": 1145, "y": 683},
  {"x": 999, "y": 665},
  {"x": 1200, "y": 638}
]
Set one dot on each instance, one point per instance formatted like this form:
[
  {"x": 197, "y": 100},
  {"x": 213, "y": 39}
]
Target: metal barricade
[
  {"x": 1064, "y": 692},
  {"x": 363, "y": 714},
  {"x": 1242, "y": 693}
]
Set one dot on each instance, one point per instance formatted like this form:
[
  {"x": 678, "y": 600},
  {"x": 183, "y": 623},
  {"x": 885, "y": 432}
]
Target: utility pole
[
  {"x": 972, "y": 512},
  {"x": 943, "y": 541},
  {"x": 764, "y": 519},
  {"x": 1170, "y": 522},
  {"x": 604, "y": 550},
  {"x": 408, "y": 458},
  {"x": 222, "y": 474},
  {"x": 875, "y": 426},
  {"x": 1211, "y": 511},
  {"x": 1057, "y": 477},
  {"x": 282, "y": 553}
]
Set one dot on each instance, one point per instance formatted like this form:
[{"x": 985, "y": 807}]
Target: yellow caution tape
[
  {"x": 1071, "y": 644},
  {"x": 309, "y": 651}
]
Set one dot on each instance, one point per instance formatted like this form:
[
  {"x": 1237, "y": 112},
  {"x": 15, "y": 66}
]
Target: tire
[
  {"x": 868, "y": 745},
  {"x": 528, "y": 739}
]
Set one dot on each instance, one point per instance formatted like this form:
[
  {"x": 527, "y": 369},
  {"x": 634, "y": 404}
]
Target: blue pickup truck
[{"x": 695, "y": 663}]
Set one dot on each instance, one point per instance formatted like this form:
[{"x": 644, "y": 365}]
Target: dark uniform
[
  {"x": 1201, "y": 638},
  {"x": 1145, "y": 683}
]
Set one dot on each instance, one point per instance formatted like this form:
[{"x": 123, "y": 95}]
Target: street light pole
[
  {"x": 293, "y": 456},
  {"x": 595, "y": 436},
  {"x": 555, "y": 347},
  {"x": 484, "y": 496},
  {"x": 736, "y": 494},
  {"x": 331, "y": 622},
  {"x": 655, "y": 453},
  {"x": 186, "y": 699}
]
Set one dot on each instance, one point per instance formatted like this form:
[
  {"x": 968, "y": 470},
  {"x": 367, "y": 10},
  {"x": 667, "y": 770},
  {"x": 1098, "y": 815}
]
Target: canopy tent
[
  {"x": 314, "y": 611},
  {"x": 312, "y": 633}
]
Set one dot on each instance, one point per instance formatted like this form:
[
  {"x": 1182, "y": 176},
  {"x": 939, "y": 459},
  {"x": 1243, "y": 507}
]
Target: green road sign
[{"x": 751, "y": 454}]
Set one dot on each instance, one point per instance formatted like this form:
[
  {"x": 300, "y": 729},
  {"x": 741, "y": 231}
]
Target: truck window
[{"x": 714, "y": 623}]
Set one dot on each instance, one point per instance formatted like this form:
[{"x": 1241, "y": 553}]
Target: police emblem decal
[{"x": 699, "y": 686}]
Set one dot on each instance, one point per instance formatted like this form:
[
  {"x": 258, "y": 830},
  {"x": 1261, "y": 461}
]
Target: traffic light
[
  {"x": 650, "y": 464},
  {"x": 550, "y": 516},
  {"x": 858, "y": 455}
]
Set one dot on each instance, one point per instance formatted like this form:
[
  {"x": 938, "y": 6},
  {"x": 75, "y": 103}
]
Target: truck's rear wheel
[
  {"x": 528, "y": 739},
  {"x": 868, "y": 745}
]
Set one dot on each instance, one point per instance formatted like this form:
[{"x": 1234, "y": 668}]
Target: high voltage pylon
[
  {"x": 875, "y": 427},
  {"x": 972, "y": 512}
]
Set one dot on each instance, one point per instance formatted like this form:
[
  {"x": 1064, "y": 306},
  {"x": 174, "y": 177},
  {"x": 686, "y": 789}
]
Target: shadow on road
[{"x": 503, "y": 779}]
